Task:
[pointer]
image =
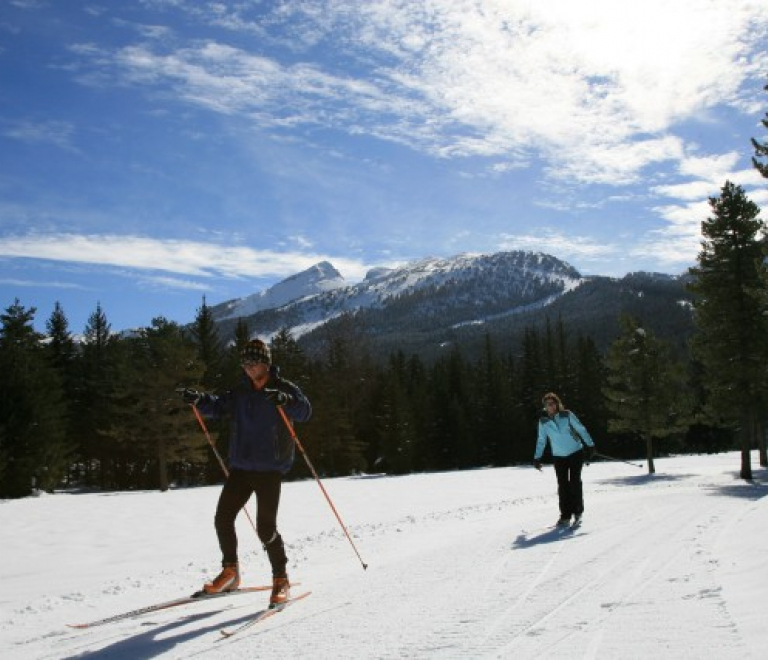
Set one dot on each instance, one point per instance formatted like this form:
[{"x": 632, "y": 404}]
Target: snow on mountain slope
[
  {"x": 320, "y": 278},
  {"x": 499, "y": 282}
]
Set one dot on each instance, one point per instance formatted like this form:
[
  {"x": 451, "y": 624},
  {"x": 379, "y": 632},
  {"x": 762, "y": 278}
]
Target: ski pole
[
  {"x": 319, "y": 483},
  {"x": 218, "y": 456},
  {"x": 619, "y": 460}
]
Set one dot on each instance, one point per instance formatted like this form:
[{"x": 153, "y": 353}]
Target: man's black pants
[{"x": 235, "y": 494}]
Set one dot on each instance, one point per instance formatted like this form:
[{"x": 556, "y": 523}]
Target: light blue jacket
[{"x": 559, "y": 430}]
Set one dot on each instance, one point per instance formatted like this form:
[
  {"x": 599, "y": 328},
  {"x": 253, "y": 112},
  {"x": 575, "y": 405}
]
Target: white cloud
[
  {"x": 559, "y": 243},
  {"x": 58, "y": 133},
  {"x": 461, "y": 78},
  {"x": 711, "y": 173},
  {"x": 40, "y": 284},
  {"x": 204, "y": 260}
]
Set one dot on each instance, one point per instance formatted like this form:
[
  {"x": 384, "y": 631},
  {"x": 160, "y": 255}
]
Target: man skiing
[
  {"x": 261, "y": 451},
  {"x": 565, "y": 434}
]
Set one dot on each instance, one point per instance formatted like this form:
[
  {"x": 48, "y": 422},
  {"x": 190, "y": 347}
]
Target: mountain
[
  {"x": 320, "y": 278},
  {"x": 430, "y": 304}
]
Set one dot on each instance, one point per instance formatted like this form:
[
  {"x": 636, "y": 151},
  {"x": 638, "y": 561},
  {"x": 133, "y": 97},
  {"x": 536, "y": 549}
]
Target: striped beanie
[{"x": 256, "y": 351}]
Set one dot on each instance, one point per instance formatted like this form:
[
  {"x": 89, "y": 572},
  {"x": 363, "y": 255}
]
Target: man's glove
[
  {"x": 537, "y": 464},
  {"x": 189, "y": 396},
  {"x": 278, "y": 397}
]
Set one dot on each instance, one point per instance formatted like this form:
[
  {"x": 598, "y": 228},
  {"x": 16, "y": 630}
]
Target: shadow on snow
[{"x": 550, "y": 535}]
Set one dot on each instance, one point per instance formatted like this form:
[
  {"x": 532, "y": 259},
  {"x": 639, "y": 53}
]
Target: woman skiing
[{"x": 565, "y": 434}]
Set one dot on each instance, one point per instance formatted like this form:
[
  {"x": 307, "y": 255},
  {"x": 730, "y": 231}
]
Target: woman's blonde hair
[{"x": 551, "y": 396}]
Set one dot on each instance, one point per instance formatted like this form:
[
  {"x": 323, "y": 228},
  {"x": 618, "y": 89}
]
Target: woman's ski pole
[
  {"x": 218, "y": 456},
  {"x": 319, "y": 483},
  {"x": 619, "y": 460}
]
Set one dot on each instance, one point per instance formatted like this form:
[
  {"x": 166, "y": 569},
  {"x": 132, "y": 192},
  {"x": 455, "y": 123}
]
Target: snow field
[{"x": 461, "y": 565}]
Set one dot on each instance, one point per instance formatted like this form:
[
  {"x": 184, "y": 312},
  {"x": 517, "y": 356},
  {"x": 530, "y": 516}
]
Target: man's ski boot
[
  {"x": 281, "y": 592},
  {"x": 227, "y": 580},
  {"x": 563, "y": 521}
]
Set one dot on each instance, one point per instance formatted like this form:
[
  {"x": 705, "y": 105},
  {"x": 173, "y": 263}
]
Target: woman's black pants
[{"x": 569, "y": 489}]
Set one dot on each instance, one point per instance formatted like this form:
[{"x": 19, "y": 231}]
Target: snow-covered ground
[{"x": 461, "y": 565}]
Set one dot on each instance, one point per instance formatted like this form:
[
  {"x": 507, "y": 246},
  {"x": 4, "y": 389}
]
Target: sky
[
  {"x": 158, "y": 153},
  {"x": 460, "y": 565}
]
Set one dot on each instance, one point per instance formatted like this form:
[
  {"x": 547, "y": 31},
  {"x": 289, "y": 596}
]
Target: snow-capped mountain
[
  {"x": 456, "y": 290},
  {"x": 320, "y": 278},
  {"x": 428, "y": 305}
]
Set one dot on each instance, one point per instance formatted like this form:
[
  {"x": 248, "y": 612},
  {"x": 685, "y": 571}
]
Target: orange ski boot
[
  {"x": 227, "y": 580},
  {"x": 281, "y": 592}
]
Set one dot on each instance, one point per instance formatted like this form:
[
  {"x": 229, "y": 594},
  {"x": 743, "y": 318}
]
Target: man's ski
[
  {"x": 196, "y": 597},
  {"x": 265, "y": 614}
]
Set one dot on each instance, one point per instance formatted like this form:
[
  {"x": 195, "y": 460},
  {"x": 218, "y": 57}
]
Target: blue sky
[{"x": 154, "y": 152}]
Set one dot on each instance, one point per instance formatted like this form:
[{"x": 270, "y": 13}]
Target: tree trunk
[
  {"x": 746, "y": 442},
  {"x": 760, "y": 432},
  {"x": 162, "y": 464},
  {"x": 649, "y": 452}
]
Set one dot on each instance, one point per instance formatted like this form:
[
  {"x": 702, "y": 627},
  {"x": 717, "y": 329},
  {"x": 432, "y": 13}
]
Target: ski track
[
  {"x": 576, "y": 594},
  {"x": 468, "y": 582}
]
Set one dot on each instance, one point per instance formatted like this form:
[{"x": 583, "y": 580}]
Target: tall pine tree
[
  {"x": 730, "y": 313},
  {"x": 93, "y": 407},
  {"x": 209, "y": 346}
]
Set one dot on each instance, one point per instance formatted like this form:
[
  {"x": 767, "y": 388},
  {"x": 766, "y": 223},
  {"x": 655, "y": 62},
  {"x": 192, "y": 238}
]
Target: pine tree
[
  {"x": 451, "y": 409},
  {"x": 150, "y": 425},
  {"x": 33, "y": 447},
  {"x": 340, "y": 390},
  {"x": 288, "y": 355},
  {"x": 209, "y": 346},
  {"x": 534, "y": 380},
  {"x": 61, "y": 344},
  {"x": 63, "y": 355},
  {"x": 646, "y": 391},
  {"x": 730, "y": 313},
  {"x": 493, "y": 405},
  {"x": 586, "y": 390},
  {"x": 242, "y": 334},
  {"x": 398, "y": 446},
  {"x": 93, "y": 406}
]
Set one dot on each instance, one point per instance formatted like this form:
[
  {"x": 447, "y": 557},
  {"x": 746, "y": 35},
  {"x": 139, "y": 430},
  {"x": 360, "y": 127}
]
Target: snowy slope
[
  {"x": 320, "y": 278},
  {"x": 462, "y": 565}
]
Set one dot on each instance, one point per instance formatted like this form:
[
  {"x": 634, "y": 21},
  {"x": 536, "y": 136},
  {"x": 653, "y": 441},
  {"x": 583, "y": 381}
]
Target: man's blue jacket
[{"x": 259, "y": 439}]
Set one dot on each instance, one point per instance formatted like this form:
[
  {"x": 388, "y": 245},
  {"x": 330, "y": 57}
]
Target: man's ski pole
[
  {"x": 619, "y": 460},
  {"x": 319, "y": 483},
  {"x": 218, "y": 456}
]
